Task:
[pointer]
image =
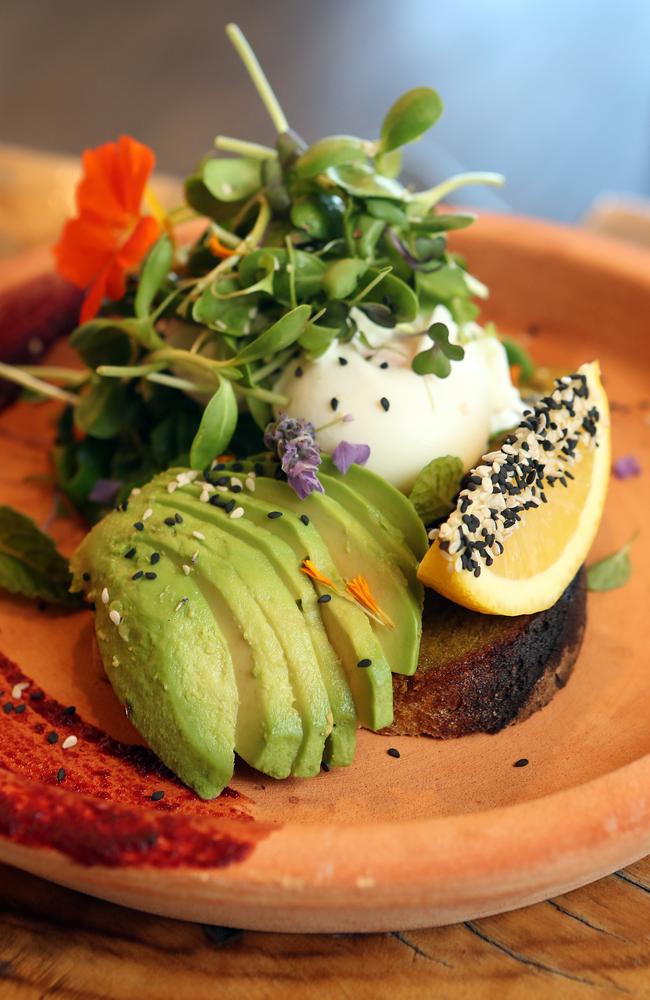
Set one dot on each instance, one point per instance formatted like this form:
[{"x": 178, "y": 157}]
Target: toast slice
[{"x": 479, "y": 673}]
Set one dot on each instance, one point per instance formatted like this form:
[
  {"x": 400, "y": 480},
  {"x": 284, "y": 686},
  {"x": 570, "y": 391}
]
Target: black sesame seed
[
  {"x": 155, "y": 557},
  {"x": 70, "y": 710},
  {"x": 220, "y": 465},
  {"x": 36, "y": 696},
  {"x": 52, "y": 737},
  {"x": 170, "y": 522},
  {"x": 304, "y": 519},
  {"x": 7, "y": 708},
  {"x": 385, "y": 404},
  {"x": 324, "y": 766},
  {"x": 324, "y": 598},
  {"x": 230, "y": 506},
  {"x": 393, "y": 752},
  {"x": 522, "y": 762},
  {"x": 235, "y": 489},
  {"x": 60, "y": 774},
  {"x": 273, "y": 514},
  {"x": 129, "y": 554},
  {"x": 222, "y": 481},
  {"x": 343, "y": 361},
  {"x": 86, "y": 577},
  {"x": 298, "y": 372},
  {"x": 138, "y": 575},
  {"x": 157, "y": 796},
  {"x": 334, "y": 403},
  {"x": 364, "y": 663},
  {"x": 150, "y": 576},
  {"x": 237, "y": 467},
  {"x": 139, "y": 526},
  {"x": 216, "y": 501},
  {"x": 384, "y": 364},
  {"x": 19, "y": 709},
  {"x": 178, "y": 518}
]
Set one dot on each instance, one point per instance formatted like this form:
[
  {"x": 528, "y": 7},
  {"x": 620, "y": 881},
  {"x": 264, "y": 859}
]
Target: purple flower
[
  {"x": 295, "y": 442},
  {"x": 105, "y": 490},
  {"x": 345, "y": 454},
  {"x": 624, "y": 468}
]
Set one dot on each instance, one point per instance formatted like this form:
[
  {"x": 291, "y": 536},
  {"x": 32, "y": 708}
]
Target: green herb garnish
[
  {"x": 613, "y": 571},
  {"x": 435, "y": 488},
  {"x": 29, "y": 562}
]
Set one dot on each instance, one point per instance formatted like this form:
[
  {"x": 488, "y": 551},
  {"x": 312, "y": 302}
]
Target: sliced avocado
[
  {"x": 268, "y": 731},
  {"x": 396, "y": 507},
  {"x": 355, "y": 552},
  {"x": 348, "y": 627},
  {"x": 224, "y": 542},
  {"x": 171, "y": 667},
  {"x": 341, "y": 741}
]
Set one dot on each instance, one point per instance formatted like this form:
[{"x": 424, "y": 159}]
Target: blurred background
[{"x": 553, "y": 93}]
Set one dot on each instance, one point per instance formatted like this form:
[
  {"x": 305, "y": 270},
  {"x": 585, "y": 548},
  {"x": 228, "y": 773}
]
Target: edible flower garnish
[
  {"x": 111, "y": 234},
  {"x": 298, "y": 451},
  {"x": 346, "y": 454},
  {"x": 360, "y": 590},
  {"x": 312, "y": 570},
  {"x": 218, "y": 249},
  {"x": 626, "y": 467}
]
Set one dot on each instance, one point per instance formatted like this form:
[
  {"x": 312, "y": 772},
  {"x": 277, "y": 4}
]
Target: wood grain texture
[{"x": 594, "y": 942}]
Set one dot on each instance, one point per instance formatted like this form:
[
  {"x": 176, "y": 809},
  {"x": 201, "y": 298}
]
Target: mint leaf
[
  {"x": 611, "y": 572},
  {"x": 29, "y": 562},
  {"x": 436, "y": 486}
]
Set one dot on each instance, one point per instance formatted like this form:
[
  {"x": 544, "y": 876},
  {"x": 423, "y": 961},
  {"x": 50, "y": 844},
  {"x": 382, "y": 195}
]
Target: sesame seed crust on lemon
[{"x": 527, "y": 515}]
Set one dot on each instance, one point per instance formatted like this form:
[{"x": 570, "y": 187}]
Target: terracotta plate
[{"x": 446, "y": 832}]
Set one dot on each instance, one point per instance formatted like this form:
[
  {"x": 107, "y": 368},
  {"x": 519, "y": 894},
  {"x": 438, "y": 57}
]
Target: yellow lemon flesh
[{"x": 529, "y": 564}]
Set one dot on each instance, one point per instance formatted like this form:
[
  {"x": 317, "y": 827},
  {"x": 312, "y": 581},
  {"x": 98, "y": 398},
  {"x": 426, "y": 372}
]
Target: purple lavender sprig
[{"x": 299, "y": 453}]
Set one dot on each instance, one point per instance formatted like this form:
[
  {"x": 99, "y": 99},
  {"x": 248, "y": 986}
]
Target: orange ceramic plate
[{"x": 448, "y": 831}]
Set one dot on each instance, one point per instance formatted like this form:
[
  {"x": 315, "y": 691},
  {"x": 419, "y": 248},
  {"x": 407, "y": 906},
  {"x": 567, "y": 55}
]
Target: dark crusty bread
[{"x": 478, "y": 673}]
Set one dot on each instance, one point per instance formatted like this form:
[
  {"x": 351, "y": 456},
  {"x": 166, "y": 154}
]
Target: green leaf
[
  {"x": 442, "y": 223},
  {"x": 410, "y": 117},
  {"x": 216, "y": 428},
  {"x": 520, "y": 358},
  {"x": 320, "y": 215},
  {"x": 436, "y": 486},
  {"x": 199, "y": 198},
  {"x": 282, "y": 334},
  {"x": 231, "y": 316},
  {"x": 437, "y": 359},
  {"x": 316, "y": 339},
  {"x": 333, "y": 151},
  {"x": 395, "y": 293},
  {"x": 389, "y": 164},
  {"x": 232, "y": 179},
  {"x": 101, "y": 342},
  {"x": 380, "y": 208},
  {"x": 260, "y": 411},
  {"x": 342, "y": 277},
  {"x": 154, "y": 272},
  {"x": 361, "y": 180},
  {"x": 613, "y": 571},
  {"x": 101, "y": 409},
  {"x": 29, "y": 562},
  {"x": 308, "y": 273}
]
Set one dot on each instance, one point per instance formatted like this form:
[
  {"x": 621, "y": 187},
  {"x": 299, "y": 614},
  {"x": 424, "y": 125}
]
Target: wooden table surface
[{"x": 54, "y": 942}]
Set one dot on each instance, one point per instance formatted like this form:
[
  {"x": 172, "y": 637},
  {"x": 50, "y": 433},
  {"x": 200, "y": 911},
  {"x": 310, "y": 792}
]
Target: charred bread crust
[{"x": 478, "y": 673}]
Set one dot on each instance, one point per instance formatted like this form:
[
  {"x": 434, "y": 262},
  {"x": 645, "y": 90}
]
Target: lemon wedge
[{"x": 527, "y": 514}]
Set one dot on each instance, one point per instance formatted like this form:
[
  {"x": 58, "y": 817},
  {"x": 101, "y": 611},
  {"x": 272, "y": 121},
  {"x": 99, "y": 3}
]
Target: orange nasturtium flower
[
  {"x": 111, "y": 233},
  {"x": 312, "y": 570},
  {"x": 217, "y": 248},
  {"x": 360, "y": 590}
]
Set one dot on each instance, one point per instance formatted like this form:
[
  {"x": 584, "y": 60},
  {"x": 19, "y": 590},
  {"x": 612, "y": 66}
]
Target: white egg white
[{"x": 426, "y": 416}]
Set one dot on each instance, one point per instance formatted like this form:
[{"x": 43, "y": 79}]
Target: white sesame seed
[
  {"x": 136, "y": 491},
  {"x": 195, "y": 556},
  {"x": 69, "y": 742},
  {"x": 147, "y": 514},
  {"x": 205, "y": 496},
  {"x": 172, "y": 487},
  {"x": 180, "y": 604},
  {"x": 105, "y": 596},
  {"x": 18, "y": 689},
  {"x": 237, "y": 512},
  {"x": 115, "y": 617},
  {"x": 250, "y": 484},
  {"x": 187, "y": 569},
  {"x": 222, "y": 489},
  {"x": 199, "y": 535},
  {"x": 235, "y": 481}
]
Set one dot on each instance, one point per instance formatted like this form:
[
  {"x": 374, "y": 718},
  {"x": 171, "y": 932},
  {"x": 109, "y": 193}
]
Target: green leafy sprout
[{"x": 299, "y": 241}]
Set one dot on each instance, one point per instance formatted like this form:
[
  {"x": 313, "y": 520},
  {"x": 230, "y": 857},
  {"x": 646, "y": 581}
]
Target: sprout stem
[
  {"x": 258, "y": 77},
  {"x": 227, "y": 238},
  {"x": 435, "y": 194},
  {"x": 128, "y": 371},
  {"x": 20, "y": 377},
  {"x": 179, "y": 383},
  {"x": 71, "y": 376},
  {"x": 265, "y": 395},
  {"x": 253, "y": 149}
]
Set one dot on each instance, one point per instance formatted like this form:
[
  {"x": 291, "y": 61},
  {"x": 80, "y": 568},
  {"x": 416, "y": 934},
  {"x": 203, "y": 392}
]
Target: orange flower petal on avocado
[
  {"x": 111, "y": 234},
  {"x": 313, "y": 571},
  {"x": 359, "y": 588}
]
